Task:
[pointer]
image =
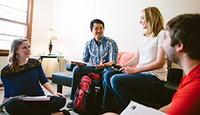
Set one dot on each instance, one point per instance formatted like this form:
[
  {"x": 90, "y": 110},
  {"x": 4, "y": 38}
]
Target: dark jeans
[
  {"x": 137, "y": 87},
  {"x": 19, "y": 107},
  {"x": 78, "y": 72}
]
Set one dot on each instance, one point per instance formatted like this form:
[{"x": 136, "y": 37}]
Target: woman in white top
[{"x": 140, "y": 82}]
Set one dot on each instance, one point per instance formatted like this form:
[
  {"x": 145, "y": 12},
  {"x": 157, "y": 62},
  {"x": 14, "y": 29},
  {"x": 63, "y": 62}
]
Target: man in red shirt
[{"x": 182, "y": 46}]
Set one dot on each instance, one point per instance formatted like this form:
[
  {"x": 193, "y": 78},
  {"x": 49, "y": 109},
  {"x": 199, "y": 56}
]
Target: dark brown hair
[
  {"x": 97, "y": 21},
  {"x": 185, "y": 29}
]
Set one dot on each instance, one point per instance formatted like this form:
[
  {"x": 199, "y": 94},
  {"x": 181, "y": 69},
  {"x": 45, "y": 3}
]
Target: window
[{"x": 15, "y": 21}]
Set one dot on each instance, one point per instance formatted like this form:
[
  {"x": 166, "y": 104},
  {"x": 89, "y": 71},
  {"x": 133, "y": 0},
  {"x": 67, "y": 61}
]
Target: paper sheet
[{"x": 138, "y": 109}]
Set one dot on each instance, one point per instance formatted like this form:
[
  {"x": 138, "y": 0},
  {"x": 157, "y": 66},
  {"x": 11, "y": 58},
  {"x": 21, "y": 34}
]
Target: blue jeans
[
  {"x": 137, "y": 87},
  {"x": 109, "y": 100}
]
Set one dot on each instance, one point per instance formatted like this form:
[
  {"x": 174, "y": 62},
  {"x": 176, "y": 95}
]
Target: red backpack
[{"x": 87, "y": 98}]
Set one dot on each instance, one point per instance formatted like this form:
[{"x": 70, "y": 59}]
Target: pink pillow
[{"x": 124, "y": 57}]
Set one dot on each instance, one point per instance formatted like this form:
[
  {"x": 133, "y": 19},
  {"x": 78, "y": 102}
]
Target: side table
[{"x": 58, "y": 57}]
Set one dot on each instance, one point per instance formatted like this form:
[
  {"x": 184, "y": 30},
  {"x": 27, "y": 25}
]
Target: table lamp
[{"x": 52, "y": 36}]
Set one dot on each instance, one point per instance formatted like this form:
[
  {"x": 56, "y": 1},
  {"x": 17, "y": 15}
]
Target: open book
[
  {"x": 138, "y": 109},
  {"x": 35, "y": 98},
  {"x": 26, "y": 98},
  {"x": 79, "y": 63}
]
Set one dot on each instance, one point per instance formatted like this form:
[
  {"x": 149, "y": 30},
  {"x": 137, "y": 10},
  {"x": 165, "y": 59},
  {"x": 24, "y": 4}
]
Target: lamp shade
[{"x": 52, "y": 35}]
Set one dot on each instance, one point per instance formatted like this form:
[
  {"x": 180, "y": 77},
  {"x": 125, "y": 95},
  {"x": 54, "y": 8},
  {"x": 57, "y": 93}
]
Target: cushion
[
  {"x": 124, "y": 57},
  {"x": 62, "y": 78}
]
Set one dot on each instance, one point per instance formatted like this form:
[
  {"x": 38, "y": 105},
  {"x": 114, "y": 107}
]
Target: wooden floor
[{"x": 66, "y": 92}]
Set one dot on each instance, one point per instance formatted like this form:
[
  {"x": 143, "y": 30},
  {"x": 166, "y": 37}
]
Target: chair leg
[{"x": 59, "y": 88}]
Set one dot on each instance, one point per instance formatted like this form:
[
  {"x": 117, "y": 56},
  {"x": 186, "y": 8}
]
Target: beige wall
[
  {"x": 121, "y": 17},
  {"x": 3, "y": 62},
  {"x": 71, "y": 18},
  {"x": 43, "y": 11}
]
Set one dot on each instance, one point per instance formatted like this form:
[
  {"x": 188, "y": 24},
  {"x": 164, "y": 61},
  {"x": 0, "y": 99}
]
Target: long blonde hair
[
  {"x": 13, "y": 56},
  {"x": 154, "y": 19}
]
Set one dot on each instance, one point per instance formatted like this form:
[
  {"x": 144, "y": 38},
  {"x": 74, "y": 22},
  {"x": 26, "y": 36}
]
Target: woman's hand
[
  {"x": 129, "y": 70},
  {"x": 48, "y": 86},
  {"x": 58, "y": 94}
]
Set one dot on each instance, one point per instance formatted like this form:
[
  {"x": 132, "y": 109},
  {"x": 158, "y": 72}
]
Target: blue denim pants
[
  {"x": 140, "y": 86},
  {"x": 109, "y": 99}
]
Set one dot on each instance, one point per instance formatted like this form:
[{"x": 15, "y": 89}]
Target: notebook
[
  {"x": 36, "y": 98},
  {"x": 138, "y": 109},
  {"x": 26, "y": 98}
]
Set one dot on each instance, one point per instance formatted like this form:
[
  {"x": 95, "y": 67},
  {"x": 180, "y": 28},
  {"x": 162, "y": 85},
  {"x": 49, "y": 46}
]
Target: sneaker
[
  {"x": 65, "y": 112},
  {"x": 70, "y": 104}
]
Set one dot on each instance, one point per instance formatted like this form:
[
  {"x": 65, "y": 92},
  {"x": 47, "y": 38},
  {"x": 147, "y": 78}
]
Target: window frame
[{"x": 28, "y": 23}]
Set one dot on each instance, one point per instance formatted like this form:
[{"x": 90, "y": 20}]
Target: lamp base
[
  {"x": 50, "y": 47},
  {"x": 50, "y": 54}
]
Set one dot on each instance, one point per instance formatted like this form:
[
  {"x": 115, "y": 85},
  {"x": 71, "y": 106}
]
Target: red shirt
[{"x": 186, "y": 100}]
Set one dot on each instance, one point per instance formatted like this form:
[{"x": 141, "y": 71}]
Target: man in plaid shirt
[{"x": 100, "y": 54}]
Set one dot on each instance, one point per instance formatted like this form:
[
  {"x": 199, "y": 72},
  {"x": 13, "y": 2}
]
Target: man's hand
[
  {"x": 103, "y": 65},
  {"x": 100, "y": 66}
]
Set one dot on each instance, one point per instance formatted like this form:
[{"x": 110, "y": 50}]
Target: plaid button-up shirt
[{"x": 105, "y": 50}]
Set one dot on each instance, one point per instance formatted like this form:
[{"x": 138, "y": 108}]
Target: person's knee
[
  {"x": 106, "y": 79},
  {"x": 57, "y": 103},
  {"x": 115, "y": 80},
  {"x": 76, "y": 74},
  {"x": 76, "y": 69},
  {"x": 108, "y": 75},
  {"x": 13, "y": 105}
]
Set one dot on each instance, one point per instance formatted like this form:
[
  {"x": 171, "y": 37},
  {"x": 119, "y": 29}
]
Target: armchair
[{"x": 63, "y": 78}]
